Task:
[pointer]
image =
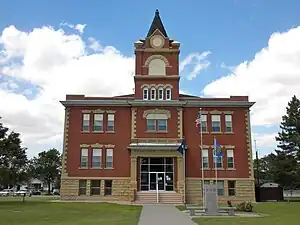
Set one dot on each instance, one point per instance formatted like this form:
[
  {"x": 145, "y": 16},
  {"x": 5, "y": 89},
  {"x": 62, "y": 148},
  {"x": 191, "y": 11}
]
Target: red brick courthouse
[{"x": 118, "y": 148}]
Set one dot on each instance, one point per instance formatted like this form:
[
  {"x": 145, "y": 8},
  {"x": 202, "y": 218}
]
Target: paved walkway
[{"x": 163, "y": 215}]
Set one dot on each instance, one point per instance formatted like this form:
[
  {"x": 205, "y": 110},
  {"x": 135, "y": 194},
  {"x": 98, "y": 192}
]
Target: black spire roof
[{"x": 157, "y": 24}]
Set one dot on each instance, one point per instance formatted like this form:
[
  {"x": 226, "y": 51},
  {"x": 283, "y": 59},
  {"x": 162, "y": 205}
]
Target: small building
[{"x": 126, "y": 147}]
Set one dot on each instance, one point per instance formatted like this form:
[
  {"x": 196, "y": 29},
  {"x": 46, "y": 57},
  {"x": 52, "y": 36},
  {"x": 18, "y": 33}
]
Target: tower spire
[{"x": 157, "y": 24}]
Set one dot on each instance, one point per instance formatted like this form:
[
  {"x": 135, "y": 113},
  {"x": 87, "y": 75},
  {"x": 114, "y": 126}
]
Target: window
[
  {"x": 153, "y": 93},
  {"x": 216, "y": 123},
  {"x": 95, "y": 187},
  {"x": 110, "y": 122},
  {"x": 228, "y": 123},
  {"x": 218, "y": 160},
  {"x": 168, "y": 94},
  {"x": 107, "y": 187},
  {"x": 98, "y": 122},
  {"x": 145, "y": 94},
  {"x": 151, "y": 125},
  {"x": 220, "y": 187},
  {"x": 109, "y": 158},
  {"x": 86, "y": 122},
  {"x": 205, "y": 158},
  {"x": 82, "y": 187},
  {"x": 204, "y": 123},
  {"x": 157, "y": 67},
  {"x": 162, "y": 125},
  {"x": 84, "y": 158},
  {"x": 231, "y": 187},
  {"x": 157, "y": 125},
  {"x": 160, "y": 93},
  {"x": 96, "y": 158},
  {"x": 230, "y": 158}
]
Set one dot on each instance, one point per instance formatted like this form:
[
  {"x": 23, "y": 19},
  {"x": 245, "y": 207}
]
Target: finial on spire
[{"x": 157, "y": 24}]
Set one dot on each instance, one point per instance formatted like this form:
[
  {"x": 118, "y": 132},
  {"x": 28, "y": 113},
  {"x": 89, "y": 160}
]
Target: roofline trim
[{"x": 175, "y": 103}]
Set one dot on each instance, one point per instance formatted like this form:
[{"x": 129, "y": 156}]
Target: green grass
[
  {"x": 39, "y": 211},
  {"x": 278, "y": 214}
]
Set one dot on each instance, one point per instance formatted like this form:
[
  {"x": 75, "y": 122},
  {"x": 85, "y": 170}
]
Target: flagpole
[
  {"x": 201, "y": 146},
  {"x": 184, "y": 169},
  {"x": 216, "y": 172}
]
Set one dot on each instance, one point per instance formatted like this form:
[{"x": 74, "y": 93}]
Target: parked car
[
  {"x": 56, "y": 192},
  {"x": 6, "y": 192},
  {"x": 21, "y": 193},
  {"x": 35, "y": 192}
]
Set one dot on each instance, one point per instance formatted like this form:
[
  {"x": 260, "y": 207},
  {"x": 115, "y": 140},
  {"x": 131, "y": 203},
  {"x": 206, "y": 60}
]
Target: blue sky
[{"x": 233, "y": 31}]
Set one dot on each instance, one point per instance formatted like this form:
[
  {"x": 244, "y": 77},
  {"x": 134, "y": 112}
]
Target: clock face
[{"x": 157, "y": 42}]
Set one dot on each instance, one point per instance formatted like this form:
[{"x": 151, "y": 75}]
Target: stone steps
[{"x": 163, "y": 198}]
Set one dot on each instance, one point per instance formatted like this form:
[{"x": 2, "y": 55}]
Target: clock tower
[{"x": 157, "y": 65}]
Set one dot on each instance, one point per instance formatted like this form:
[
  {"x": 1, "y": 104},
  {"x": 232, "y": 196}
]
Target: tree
[
  {"x": 288, "y": 155},
  {"x": 47, "y": 166},
  {"x": 13, "y": 158},
  {"x": 289, "y": 137}
]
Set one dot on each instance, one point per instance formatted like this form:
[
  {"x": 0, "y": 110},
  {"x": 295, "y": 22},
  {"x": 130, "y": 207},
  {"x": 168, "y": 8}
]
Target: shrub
[
  {"x": 245, "y": 207},
  {"x": 229, "y": 203}
]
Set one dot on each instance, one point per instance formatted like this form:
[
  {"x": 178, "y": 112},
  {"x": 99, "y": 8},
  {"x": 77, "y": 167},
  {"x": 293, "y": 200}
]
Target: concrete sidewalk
[{"x": 163, "y": 215}]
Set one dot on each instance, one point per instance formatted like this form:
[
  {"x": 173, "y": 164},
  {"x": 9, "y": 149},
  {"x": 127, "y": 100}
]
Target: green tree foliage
[
  {"x": 47, "y": 166},
  {"x": 13, "y": 158}
]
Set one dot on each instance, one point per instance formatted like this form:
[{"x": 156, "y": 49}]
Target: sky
[{"x": 228, "y": 47}]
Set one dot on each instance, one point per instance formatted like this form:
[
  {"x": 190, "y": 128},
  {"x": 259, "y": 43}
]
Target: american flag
[{"x": 198, "y": 119}]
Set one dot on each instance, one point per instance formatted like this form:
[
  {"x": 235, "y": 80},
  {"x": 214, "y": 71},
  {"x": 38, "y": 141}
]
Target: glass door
[{"x": 155, "y": 177}]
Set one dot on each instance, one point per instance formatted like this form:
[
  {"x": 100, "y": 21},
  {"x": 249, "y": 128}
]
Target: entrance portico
[{"x": 157, "y": 167}]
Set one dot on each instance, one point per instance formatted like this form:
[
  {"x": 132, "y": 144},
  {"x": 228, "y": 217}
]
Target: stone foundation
[
  {"x": 244, "y": 191},
  {"x": 121, "y": 190}
]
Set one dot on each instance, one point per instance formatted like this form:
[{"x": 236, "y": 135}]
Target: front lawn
[
  {"x": 278, "y": 214},
  {"x": 38, "y": 211}
]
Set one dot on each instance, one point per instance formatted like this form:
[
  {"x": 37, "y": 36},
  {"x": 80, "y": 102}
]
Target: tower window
[
  {"x": 160, "y": 93},
  {"x": 153, "y": 94},
  {"x": 168, "y": 94},
  {"x": 145, "y": 94}
]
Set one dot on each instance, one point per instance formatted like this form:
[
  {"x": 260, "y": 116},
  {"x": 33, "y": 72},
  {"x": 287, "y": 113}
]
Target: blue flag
[
  {"x": 217, "y": 148},
  {"x": 181, "y": 148}
]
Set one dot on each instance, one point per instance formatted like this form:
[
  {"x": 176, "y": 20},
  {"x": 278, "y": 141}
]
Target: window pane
[
  {"x": 110, "y": 122},
  {"x": 98, "y": 122},
  {"x": 96, "y": 159},
  {"x": 95, "y": 187},
  {"x": 160, "y": 93},
  {"x": 145, "y": 93},
  {"x": 108, "y": 187},
  {"x": 86, "y": 122},
  {"x": 153, "y": 92},
  {"x": 151, "y": 125},
  {"x": 229, "y": 153},
  {"x": 109, "y": 158},
  {"x": 216, "y": 126},
  {"x": 215, "y": 118},
  {"x": 162, "y": 125},
  {"x": 84, "y": 152},
  {"x": 168, "y": 94}
]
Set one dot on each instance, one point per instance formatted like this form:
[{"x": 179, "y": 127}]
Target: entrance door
[{"x": 157, "y": 177}]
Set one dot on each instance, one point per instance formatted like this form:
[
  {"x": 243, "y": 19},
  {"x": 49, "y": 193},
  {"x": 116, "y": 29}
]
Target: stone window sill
[
  {"x": 82, "y": 168},
  {"x": 204, "y": 132},
  {"x": 108, "y": 168},
  {"x": 228, "y": 132},
  {"x": 96, "y": 168},
  {"x": 217, "y": 132},
  {"x": 110, "y": 132},
  {"x": 158, "y": 131},
  {"x": 98, "y": 132},
  {"x": 230, "y": 168}
]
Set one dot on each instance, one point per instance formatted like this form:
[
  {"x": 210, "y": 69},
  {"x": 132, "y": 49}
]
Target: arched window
[
  {"x": 157, "y": 67},
  {"x": 168, "y": 94},
  {"x": 153, "y": 94},
  {"x": 160, "y": 93},
  {"x": 145, "y": 93}
]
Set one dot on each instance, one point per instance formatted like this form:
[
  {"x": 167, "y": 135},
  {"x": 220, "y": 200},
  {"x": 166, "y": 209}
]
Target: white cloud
[
  {"x": 57, "y": 64},
  {"x": 270, "y": 79},
  {"x": 197, "y": 61},
  {"x": 78, "y": 27}
]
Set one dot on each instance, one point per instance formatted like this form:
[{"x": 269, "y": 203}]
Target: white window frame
[
  {"x": 110, "y": 117},
  {"x": 109, "y": 153},
  {"x": 204, "y": 154},
  {"x": 228, "y": 123},
  {"x": 86, "y": 117},
  {"x": 230, "y": 154},
  {"x": 153, "y": 94},
  {"x": 204, "y": 122},
  {"x": 97, "y": 150},
  {"x": 160, "y": 93},
  {"x": 168, "y": 96},
  {"x": 145, "y": 93},
  {"x": 98, "y": 117},
  {"x": 84, "y": 154},
  {"x": 216, "y": 118}
]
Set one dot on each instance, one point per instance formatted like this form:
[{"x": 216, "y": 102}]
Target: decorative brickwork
[
  {"x": 65, "y": 143},
  {"x": 249, "y": 143}
]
